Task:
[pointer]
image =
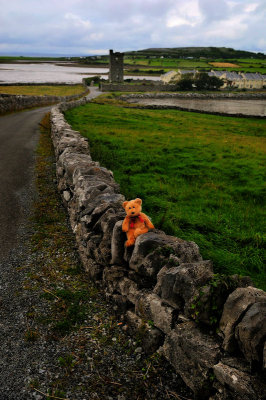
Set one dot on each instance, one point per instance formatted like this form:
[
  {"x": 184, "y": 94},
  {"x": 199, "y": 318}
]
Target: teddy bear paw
[{"x": 129, "y": 243}]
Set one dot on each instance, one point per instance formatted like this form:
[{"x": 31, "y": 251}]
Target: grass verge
[
  {"x": 43, "y": 90},
  {"x": 201, "y": 177}
]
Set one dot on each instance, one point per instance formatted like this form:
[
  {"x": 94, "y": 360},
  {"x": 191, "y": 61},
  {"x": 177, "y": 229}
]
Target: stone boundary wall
[
  {"x": 196, "y": 95},
  {"x": 140, "y": 87},
  {"x": 38, "y": 84},
  {"x": 194, "y": 110},
  {"x": 212, "y": 330},
  {"x": 10, "y": 103},
  {"x": 157, "y": 87}
]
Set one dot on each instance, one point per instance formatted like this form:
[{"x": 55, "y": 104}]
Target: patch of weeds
[
  {"x": 207, "y": 306},
  {"x": 31, "y": 335},
  {"x": 164, "y": 251},
  {"x": 67, "y": 362},
  {"x": 56, "y": 394}
]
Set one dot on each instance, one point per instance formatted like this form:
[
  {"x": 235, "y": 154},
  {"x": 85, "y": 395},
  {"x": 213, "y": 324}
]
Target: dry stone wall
[
  {"x": 166, "y": 293},
  {"x": 10, "y": 103},
  {"x": 137, "y": 87},
  {"x": 196, "y": 95}
]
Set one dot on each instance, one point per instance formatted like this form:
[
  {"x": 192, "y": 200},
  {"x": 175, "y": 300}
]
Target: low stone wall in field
[
  {"x": 137, "y": 87},
  {"x": 10, "y": 102},
  {"x": 212, "y": 330},
  {"x": 196, "y": 95}
]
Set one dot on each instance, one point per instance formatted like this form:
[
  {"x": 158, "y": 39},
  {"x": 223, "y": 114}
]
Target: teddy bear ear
[
  {"x": 125, "y": 204},
  {"x": 138, "y": 201}
]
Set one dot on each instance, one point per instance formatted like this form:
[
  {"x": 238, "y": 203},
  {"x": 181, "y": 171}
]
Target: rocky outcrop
[{"x": 210, "y": 328}]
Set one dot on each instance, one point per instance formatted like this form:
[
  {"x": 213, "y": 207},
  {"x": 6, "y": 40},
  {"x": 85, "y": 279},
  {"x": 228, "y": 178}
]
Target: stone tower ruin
[{"x": 116, "y": 67}]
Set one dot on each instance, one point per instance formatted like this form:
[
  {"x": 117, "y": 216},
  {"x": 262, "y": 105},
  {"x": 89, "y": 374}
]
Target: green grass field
[
  {"x": 42, "y": 90},
  {"x": 200, "y": 176},
  {"x": 245, "y": 65}
]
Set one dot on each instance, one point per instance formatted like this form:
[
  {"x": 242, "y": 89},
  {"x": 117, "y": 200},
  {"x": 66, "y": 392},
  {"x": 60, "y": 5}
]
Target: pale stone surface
[
  {"x": 243, "y": 385},
  {"x": 129, "y": 289},
  {"x": 192, "y": 354},
  {"x": 152, "y": 252},
  {"x": 151, "y": 338},
  {"x": 66, "y": 195},
  {"x": 178, "y": 285},
  {"x": 118, "y": 244},
  {"x": 236, "y": 305},
  {"x": 151, "y": 307},
  {"x": 251, "y": 332}
]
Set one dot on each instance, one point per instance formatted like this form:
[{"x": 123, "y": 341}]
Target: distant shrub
[
  {"x": 185, "y": 84},
  {"x": 95, "y": 79}
]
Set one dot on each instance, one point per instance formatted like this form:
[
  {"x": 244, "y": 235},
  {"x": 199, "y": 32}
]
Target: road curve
[{"x": 19, "y": 133}]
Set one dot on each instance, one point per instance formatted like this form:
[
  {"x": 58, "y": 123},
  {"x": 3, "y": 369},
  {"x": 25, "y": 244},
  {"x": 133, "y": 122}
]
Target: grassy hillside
[
  {"x": 208, "y": 52},
  {"x": 200, "y": 176}
]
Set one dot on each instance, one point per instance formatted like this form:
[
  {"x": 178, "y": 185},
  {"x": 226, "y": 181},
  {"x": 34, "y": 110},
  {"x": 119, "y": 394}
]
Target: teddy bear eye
[{"x": 129, "y": 208}]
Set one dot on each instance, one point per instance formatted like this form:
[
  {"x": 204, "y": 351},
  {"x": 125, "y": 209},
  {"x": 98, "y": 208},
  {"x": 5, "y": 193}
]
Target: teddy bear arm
[
  {"x": 147, "y": 221},
  {"x": 125, "y": 225}
]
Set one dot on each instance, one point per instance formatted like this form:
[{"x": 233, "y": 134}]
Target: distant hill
[{"x": 197, "y": 52}]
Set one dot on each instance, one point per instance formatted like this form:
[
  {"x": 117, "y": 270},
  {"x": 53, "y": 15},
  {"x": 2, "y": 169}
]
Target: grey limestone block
[
  {"x": 94, "y": 270},
  {"x": 69, "y": 161},
  {"x": 151, "y": 307},
  {"x": 66, "y": 195},
  {"x": 152, "y": 252},
  {"x": 251, "y": 333},
  {"x": 151, "y": 337},
  {"x": 104, "y": 228},
  {"x": 120, "y": 304},
  {"x": 242, "y": 385},
  {"x": 118, "y": 244},
  {"x": 234, "y": 309},
  {"x": 73, "y": 144},
  {"x": 178, "y": 285},
  {"x": 193, "y": 355},
  {"x": 128, "y": 288},
  {"x": 113, "y": 273}
]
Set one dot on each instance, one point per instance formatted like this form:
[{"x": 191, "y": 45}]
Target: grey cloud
[{"x": 76, "y": 25}]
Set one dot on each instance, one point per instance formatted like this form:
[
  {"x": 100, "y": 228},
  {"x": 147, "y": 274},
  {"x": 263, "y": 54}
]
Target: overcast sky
[{"x": 75, "y": 27}]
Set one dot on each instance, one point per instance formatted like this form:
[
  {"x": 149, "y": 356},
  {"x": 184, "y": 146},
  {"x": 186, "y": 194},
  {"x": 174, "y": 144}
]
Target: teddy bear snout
[{"x": 132, "y": 212}]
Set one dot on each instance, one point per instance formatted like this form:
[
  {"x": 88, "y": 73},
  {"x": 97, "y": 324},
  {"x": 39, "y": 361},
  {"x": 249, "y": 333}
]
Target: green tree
[
  {"x": 185, "y": 84},
  {"x": 205, "y": 82}
]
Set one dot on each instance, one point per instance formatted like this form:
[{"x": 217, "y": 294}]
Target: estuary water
[
  {"x": 225, "y": 106},
  {"x": 50, "y": 72}
]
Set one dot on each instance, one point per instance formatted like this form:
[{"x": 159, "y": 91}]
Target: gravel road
[{"x": 19, "y": 133}]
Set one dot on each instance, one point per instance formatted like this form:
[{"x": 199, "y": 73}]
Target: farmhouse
[
  {"x": 174, "y": 76},
  {"x": 231, "y": 79}
]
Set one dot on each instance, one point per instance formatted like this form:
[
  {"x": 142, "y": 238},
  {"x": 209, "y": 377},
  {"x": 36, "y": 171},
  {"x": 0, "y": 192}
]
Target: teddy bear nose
[{"x": 132, "y": 212}]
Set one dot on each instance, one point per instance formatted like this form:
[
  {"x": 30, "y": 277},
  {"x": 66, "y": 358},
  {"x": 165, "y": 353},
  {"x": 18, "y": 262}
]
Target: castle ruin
[{"x": 116, "y": 67}]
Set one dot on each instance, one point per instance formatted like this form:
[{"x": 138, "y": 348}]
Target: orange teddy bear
[{"x": 136, "y": 223}]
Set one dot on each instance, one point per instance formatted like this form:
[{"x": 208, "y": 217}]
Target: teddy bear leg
[
  {"x": 140, "y": 231},
  {"x": 130, "y": 239}
]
